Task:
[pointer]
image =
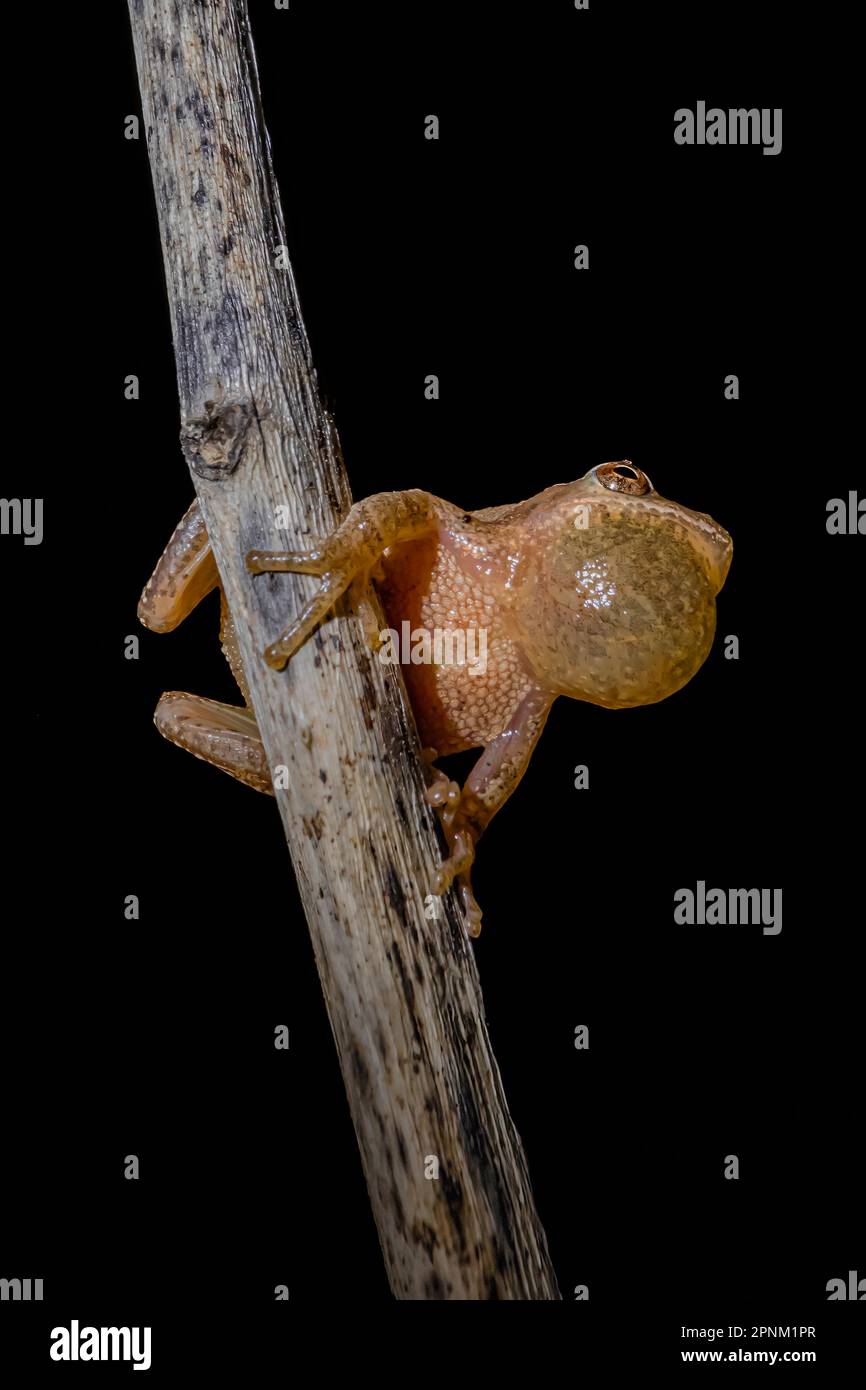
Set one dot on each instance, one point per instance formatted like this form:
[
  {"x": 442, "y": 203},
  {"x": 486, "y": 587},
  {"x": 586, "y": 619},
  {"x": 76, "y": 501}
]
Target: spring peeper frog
[{"x": 600, "y": 589}]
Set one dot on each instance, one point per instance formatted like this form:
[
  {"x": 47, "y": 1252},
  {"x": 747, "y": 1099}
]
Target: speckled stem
[{"x": 402, "y": 991}]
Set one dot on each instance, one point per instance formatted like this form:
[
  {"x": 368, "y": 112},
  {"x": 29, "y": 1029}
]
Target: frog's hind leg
[
  {"x": 349, "y": 553},
  {"x": 185, "y": 574},
  {"x": 224, "y": 735},
  {"x": 465, "y": 813},
  {"x": 220, "y": 734}
]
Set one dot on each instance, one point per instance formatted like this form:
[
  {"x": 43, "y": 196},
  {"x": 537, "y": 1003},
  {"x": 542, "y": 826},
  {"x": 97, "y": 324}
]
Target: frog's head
[{"x": 615, "y": 601}]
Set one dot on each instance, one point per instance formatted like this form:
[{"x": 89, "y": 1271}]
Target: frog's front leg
[
  {"x": 349, "y": 553},
  {"x": 487, "y": 788}
]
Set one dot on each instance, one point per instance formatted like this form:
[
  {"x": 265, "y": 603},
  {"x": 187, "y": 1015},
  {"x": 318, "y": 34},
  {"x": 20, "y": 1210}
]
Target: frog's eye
[{"x": 624, "y": 477}]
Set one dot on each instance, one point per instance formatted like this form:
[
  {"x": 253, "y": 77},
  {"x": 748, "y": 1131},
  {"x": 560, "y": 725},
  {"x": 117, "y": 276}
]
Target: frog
[{"x": 601, "y": 590}]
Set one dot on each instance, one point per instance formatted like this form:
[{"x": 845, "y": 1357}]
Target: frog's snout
[
  {"x": 721, "y": 548},
  {"x": 713, "y": 543}
]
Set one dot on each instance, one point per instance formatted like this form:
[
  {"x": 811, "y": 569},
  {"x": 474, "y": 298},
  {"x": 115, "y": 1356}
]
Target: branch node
[{"x": 213, "y": 444}]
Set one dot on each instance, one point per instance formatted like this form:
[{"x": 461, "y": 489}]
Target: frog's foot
[
  {"x": 334, "y": 583},
  {"x": 350, "y": 553},
  {"x": 461, "y": 842},
  {"x": 224, "y": 735},
  {"x": 445, "y": 795},
  {"x": 441, "y": 792},
  {"x": 457, "y": 866},
  {"x": 462, "y": 847},
  {"x": 471, "y": 910}
]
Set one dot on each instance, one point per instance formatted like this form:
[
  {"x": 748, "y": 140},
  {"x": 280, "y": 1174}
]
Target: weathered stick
[{"x": 402, "y": 991}]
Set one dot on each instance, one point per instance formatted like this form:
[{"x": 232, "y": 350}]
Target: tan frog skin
[{"x": 599, "y": 589}]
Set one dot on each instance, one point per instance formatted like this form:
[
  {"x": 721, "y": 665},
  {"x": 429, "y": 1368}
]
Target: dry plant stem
[{"x": 402, "y": 991}]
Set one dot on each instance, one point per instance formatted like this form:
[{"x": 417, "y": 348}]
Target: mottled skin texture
[{"x": 598, "y": 589}]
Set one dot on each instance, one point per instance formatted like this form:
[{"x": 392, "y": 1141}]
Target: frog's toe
[
  {"x": 368, "y": 619},
  {"x": 458, "y": 862},
  {"x": 286, "y": 561},
  {"x": 443, "y": 794},
  {"x": 457, "y": 867},
  {"x": 441, "y": 791},
  {"x": 471, "y": 910},
  {"x": 334, "y": 583}
]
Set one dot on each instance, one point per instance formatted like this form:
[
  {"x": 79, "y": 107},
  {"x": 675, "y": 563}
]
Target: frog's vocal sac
[{"x": 599, "y": 589}]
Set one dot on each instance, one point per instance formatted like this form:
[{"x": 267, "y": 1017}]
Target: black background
[{"x": 453, "y": 257}]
